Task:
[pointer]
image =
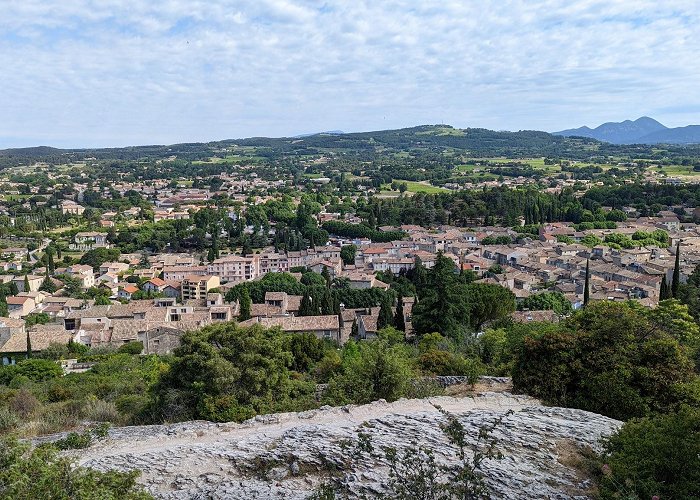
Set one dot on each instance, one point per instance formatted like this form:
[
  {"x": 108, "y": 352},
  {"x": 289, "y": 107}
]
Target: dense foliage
[{"x": 617, "y": 359}]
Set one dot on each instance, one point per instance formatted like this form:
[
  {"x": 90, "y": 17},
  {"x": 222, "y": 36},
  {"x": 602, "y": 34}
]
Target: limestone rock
[{"x": 282, "y": 456}]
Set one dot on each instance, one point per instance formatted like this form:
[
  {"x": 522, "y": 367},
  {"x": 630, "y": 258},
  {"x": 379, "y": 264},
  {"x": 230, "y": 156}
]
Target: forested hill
[{"x": 472, "y": 142}]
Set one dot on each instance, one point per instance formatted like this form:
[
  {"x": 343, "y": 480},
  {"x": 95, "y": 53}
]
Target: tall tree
[
  {"x": 675, "y": 283},
  {"x": 29, "y": 345},
  {"x": 326, "y": 276},
  {"x": 27, "y": 288},
  {"x": 587, "y": 285},
  {"x": 399, "y": 320},
  {"x": 385, "y": 318},
  {"x": 664, "y": 294},
  {"x": 244, "y": 304},
  {"x": 307, "y": 307}
]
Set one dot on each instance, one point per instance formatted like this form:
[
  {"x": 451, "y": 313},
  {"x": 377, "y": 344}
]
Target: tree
[
  {"x": 671, "y": 471},
  {"x": 676, "y": 281},
  {"x": 370, "y": 371},
  {"x": 587, "y": 285},
  {"x": 307, "y": 306},
  {"x": 399, "y": 319},
  {"x": 488, "y": 302},
  {"x": 613, "y": 358},
  {"x": 665, "y": 292},
  {"x": 98, "y": 256},
  {"x": 546, "y": 301},
  {"x": 386, "y": 318},
  {"x": 29, "y": 345},
  {"x": 326, "y": 276},
  {"x": 244, "y": 305},
  {"x": 27, "y": 288},
  {"x": 48, "y": 285},
  {"x": 348, "y": 253},
  {"x": 224, "y": 372}
]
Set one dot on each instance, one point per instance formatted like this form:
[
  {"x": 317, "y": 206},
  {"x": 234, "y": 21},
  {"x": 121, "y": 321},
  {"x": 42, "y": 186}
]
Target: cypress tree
[
  {"x": 399, "y": 320},
  {"x": 664, "y": 293},
  {"x": 26, "y": 284},
  {"x": 306, "y": 308},
  {"x": 244, "y": 305},
  {"x": 385, "y": 318},
  {"x": 29, "y": 346},
  {"x": 675, "y": 283},
  {"x": 327, "y": 305},
  {"x": 586, "y": 287},
  {"x": 326, "y": 276}
]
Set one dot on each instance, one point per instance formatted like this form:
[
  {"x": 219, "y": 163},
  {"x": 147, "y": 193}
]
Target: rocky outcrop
[{"x": 283, "y": 455}]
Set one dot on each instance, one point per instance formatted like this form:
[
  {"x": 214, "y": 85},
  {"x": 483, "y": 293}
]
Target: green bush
[
  {"x": 617, "y": 359},
  {"x": 36, "y": 370},
  {"x": 370, "y": 371},
  {"x": 657, "y": 456},
  {"x": 41, "y": 473},
  {"x": 135, "y": 347}
]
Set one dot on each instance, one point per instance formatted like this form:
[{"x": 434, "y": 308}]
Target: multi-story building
[
  {"x": 235, "y": 269},
  {"x": 196, "y": 287}
]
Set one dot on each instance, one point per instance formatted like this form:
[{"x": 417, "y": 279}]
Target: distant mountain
[
  {"x": 679, "y": 135},
  {"x": 643, "y": 130},
  {"x": 328, "y": 132}
]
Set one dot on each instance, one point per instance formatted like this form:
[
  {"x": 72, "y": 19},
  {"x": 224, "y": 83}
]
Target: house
[
  {"x": 113, "y": 267},
  {"x": 19, "y": 307},
  {"x": 367, "y": 326},
  {"x": 41, "y": 336},
  {"x": 172, "y": 289},
  {"x": 69, "y": 207},
  {"x": 34, "y": 282},
  {"x": 154, "y": 285},
  {"x": 127, "y": 291},
  {"x": 82, "y": 273},
  {"x": 160, "y": 339},
  {"x": 87, "y": 240}
]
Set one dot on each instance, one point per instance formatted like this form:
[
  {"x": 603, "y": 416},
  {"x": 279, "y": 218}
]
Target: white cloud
[{"x": 108, "y": 72}]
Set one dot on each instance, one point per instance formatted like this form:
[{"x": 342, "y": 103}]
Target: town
[{"x": 146, "y": 259}]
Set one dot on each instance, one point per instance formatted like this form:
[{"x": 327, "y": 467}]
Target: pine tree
[
  {"x": 664, "y": 293},
  {"x": 587, "y": 285},
  {"x": 244, "y": 305},
  {"x": 385, "y": 318},
  {"x": 399, "y": 320},
  {"x": 676, "y": 282}
]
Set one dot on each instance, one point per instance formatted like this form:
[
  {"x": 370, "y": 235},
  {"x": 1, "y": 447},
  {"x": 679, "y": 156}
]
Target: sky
[{"x": 90, "y": 73}]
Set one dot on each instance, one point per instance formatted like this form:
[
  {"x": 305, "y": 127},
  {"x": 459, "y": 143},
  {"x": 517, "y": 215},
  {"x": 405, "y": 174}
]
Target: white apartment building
[{"x": 235, "y": 269}]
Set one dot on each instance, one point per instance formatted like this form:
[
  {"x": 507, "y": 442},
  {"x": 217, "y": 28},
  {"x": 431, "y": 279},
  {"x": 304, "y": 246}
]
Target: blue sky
[{"x": 112, "y": 72}]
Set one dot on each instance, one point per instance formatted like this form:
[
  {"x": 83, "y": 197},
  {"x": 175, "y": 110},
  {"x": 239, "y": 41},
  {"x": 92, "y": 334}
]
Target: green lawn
[{"x": 416, "y": 187}]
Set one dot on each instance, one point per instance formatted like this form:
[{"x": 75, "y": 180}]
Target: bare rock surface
[{"x": 282, "y": 455}]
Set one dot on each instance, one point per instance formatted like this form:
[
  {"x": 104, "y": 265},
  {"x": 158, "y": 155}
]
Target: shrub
[
  {"x": 657, "y": 456},
  {"x": 41, "y": 473},
  {"x": 131, "y": 348},
  {"x": 611, "y": 358},
  {"x": 24, "y": 403},
  {"x": 36, "y": 370},
  {"x": 373, "y": 370}
]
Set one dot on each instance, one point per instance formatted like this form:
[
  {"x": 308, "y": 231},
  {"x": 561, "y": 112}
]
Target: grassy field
[{"x": 416, "y": 187}]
